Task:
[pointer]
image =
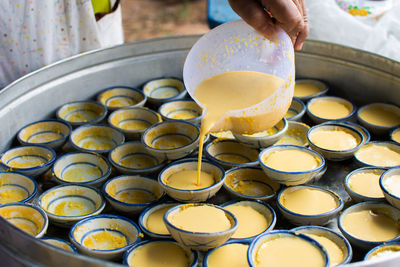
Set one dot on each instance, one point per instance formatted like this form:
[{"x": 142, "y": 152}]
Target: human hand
[{"x": 264, "y": 15}]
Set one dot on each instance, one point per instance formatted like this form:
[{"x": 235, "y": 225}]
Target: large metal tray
[{"x": 354, "y": 74}]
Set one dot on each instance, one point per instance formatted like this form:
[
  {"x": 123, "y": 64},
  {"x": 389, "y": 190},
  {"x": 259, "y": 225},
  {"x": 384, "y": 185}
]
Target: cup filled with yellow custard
[
  {"x": 200, "y": 226},
  {"x": 286, "y": 248},
  {"x": 330, "y": 108},
  {"x": 390, "y": 185},
  {"x": 335, "y": 141},
  {"x": 381, "y": 154},
  {"x": 291, "y": 165},
  {"x": 395, "y": 135},
  {"x": 305, "y": 89},
  {"x": 363, "y": 184},
  {"x": 309, "y": 204},
  {"x": 379, "y": 118},
  {"x": 181, "y": 181},
  {"x": 369, "y": 224},
  {"x": 386, "y": 250}
]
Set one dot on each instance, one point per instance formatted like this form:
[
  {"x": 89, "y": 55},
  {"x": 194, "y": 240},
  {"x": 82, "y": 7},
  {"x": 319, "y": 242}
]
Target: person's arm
[{"x": 289, "y": 14}]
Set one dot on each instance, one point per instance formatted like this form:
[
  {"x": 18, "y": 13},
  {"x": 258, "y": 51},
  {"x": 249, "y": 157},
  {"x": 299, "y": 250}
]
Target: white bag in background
[{"x": 328, "y": 22}]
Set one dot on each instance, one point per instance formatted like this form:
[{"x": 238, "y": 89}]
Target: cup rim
[
  {"x": 83, "y": 102},
  {"x": 35, "y": 186},
  {"x": 374, "y": 125}
]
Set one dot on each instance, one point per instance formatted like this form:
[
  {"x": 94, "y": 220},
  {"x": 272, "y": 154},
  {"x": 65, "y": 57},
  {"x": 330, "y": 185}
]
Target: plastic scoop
[{"x": 235, "y": 46}]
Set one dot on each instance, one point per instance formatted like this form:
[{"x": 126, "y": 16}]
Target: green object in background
[{"x": 101, "y": 6}]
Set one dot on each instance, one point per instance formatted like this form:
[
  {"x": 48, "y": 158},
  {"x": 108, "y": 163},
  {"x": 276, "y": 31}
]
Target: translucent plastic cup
[{"x": 235, "y": 46}]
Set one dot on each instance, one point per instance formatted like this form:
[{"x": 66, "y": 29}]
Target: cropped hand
[{"x": 264, "y": 15}]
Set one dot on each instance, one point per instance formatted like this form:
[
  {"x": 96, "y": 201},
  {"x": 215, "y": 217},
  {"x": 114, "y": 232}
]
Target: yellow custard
[
  {"x": 305, "y": 89},
  {"x": 201, "y": 219},
  {"x": 82, "y": 174},
  {"x": 290, "y": 113},
  {"x": 338, "y": 140},
  {"x": 366, "y": 184},
  {"x": 378, "y": 155},
  {"x": 308, "y": 201},
  {"x": 170, "y": 142},
  {"x": 159, "y": 254},
  {"x": 392, "y": 184},
  {"x": 370, "y": 225},
  {"x": 291, "y": 160},
  {"x": 335, "y": 254},
  {"x": 27, "y": 162},
  {"x": 231, "y": 255},
  {"x": 155, "y": 221},
  {"x": 385, "y": 251},
  {"x": 233, "y": 158},
  {"x": 139, "y": 161},
  {"x": 286, "y": 251},
  {"x": 380, "y": 116},
  {"x": 187, "y": 180},
  {"x": 134, "y": 125},
  {"x": 330, "y": 109},
  {"x": 105, "y": 240},
  {"x": 10, "y": 194},
  {"x": 59, "y": 244},
  {"x": 396, "y": 136},
  {"x": 250, "y": 221},
  {"x": 229, "y": 86},
  {"x": 134, "y": 196}
]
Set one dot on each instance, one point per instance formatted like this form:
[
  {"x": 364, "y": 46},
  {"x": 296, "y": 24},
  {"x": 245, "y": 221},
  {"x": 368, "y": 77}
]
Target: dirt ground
[{"x": 143, "y": 19}]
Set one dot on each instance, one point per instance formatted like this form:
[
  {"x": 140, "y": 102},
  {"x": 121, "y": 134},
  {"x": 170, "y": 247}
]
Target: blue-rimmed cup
[
  {"x": 333, "y": 239},
  {"x": 314, "y": 112},
  {"x": 27, "y": 217},
  {"x": 334, "y": 153},
  {"x": 161, "y": 249},
  {"x": 181, "y": 109},
  {"x": 395, "y": 135},
  {"x": 320, "y": 88},
  {"x": 375, "y": 154},
  {"x": 389, "y": 182},
  {"x": 133, "y": 158},
  {"x": 121, "y": 97},
  {"x": 96, "y": 138},
  {"x": 67, "y": 204},
  {"x": 386, "y": 250},
  {"x": 31, "y": 160},
  {"x": 236, "y": 256},
  {"x": 50, "y": 133},
  {"x": 132, "y": 193},
  {"x": 264, "y": 138},
  {"x": 230, "y": 153},
  {"x": 374, "y": 209},
  {"x": 245, "y": 220},
  {"x": 291, "y": 250},
  {"x": 82, "y": 112},
  {"x": 161, "y": 90},
  {"x": 81, "y": 168},
  {"x": 104, "y": 236},
  {"x": 292, "y": 177},
  {"x": 296, "y": 110},
  {"x": 151, "y": 220},
  {"x": 359, "y": 195},
  {"x": 296, "y": 134},
  {"x": 59, "y": 243},
  {"x": 133, "y": 121},
  {"x": 199, "y": 240},
  {"x": 192, "y": 195},
  {"x": 16, "y": 187},
  {"x": 315, "y": 218},
  {"x": 250, "y": 183},
  {"x": 380, "y": 123},
  {"x": 172, "y": 139}
]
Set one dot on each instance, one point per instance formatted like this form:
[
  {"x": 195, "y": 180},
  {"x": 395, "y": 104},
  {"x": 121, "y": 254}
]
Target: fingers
[
  {"x": 254, "y": 14},
  {"x": 305, "y": 30}
]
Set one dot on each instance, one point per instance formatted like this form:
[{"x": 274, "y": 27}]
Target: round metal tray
[{"x": 353, "y": 74}]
